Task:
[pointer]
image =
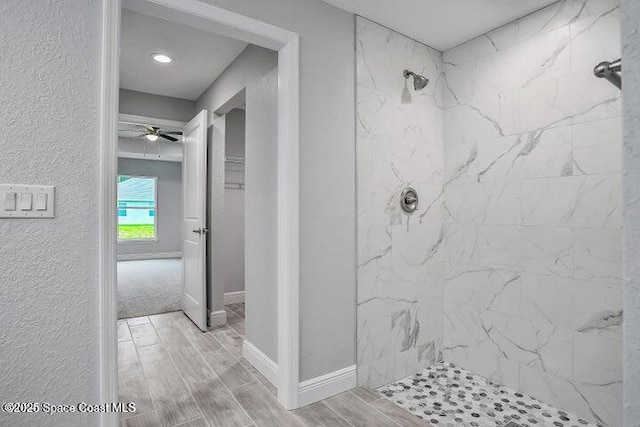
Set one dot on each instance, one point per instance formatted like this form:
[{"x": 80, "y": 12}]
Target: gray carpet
[{"x": 149, "y": 287}]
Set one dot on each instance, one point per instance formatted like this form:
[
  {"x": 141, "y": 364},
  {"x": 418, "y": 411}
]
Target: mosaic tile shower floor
[{"x": 446, "y": 395}]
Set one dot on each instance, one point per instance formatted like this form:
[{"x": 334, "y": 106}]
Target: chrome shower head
[{"x": 419, "y": 82}]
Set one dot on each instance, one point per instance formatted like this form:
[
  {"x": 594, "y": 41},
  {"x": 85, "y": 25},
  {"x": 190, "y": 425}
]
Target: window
[{"x": 137, "y": 204}]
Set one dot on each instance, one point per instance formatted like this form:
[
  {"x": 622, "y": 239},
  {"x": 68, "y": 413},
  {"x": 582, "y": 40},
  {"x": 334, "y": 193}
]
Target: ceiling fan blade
[
  {"x": 170, "y": 138},
  {"x": 173, "y": 133}
]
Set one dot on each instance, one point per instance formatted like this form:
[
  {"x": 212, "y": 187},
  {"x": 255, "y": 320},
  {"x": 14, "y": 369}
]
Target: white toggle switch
[
  {"x": 10, "y": 201},
  {"x": 41, "y": 201},
  {"x": 26, "y": 201},
  {"x": 23, "y": 201}
]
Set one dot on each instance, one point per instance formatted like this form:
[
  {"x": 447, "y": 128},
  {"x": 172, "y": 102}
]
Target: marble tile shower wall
[
  {"x": 533, "y": 243},
  {"x": 399, "y": 143}
]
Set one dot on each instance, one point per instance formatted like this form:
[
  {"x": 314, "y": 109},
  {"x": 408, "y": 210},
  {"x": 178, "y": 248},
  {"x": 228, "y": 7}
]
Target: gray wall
[
  {"x": 156, "y": 106},
  {"x": 136, "y": 149},
  {"x": 327, "y": 176},
  {"x": 234, "y": 207},
  {"x": 235, "y": 133},
  {"x": 631, "y": 184},
  {"x": 169, "y": 212},
  {"x": 252, "y": 62},
  {"x": 252, "y": 265},
  {"x": 233, "y": 265},
  {"x": 50, "y": 87},
  {"x": 261, "y": 214}
]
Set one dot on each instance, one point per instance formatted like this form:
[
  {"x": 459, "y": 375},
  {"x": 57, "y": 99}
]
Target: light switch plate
[
  {"x": 10, "y": 201},
  {"x": 23, "y": 192}
]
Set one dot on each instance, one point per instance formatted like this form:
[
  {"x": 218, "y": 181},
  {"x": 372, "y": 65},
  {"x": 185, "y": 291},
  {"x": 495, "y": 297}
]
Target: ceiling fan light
[
  {"x": 152, "y": 137},
  {"x": 161, "y": 58}
]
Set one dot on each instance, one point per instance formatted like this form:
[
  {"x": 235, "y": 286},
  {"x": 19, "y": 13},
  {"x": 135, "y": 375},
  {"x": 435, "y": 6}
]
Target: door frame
[{"x": 212, "y": 18}]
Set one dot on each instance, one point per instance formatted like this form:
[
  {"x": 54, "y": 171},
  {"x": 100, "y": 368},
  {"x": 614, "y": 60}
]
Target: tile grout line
[
  {"x": 187, "y": 422},
  {"x": 234, "y": 310},
  {"x": 376, "y": 409},
  {"x": 180, "y": 373},
  {"x": 235, "y": 330},
  {"x": 120, "y": 421},
  {"x": 221, "y": 382},
  {"x": 240, "y": 316},
  {"x": 298, "y": 417},
  {"x": 328, "y": 404},
  {"x": 135, "y": 347},
  {"x": 331, "y": 409},
  {"x": 257, "y": 381},
  {"x": 242, "y": 357}
]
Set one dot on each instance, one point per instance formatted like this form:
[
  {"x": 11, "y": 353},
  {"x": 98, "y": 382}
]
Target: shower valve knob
[{"x": 409, "y": 200}]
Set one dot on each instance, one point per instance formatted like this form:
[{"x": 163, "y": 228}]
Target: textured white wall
[
  {"x": 400, "y": 143},
  {"x": 533, "y": 160},
  {"x": 631, "y": 106},
  {"x": 49, "y": 84}
]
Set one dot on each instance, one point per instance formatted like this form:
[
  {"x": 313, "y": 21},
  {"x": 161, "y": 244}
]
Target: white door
[{"x": 194, "y": 190}]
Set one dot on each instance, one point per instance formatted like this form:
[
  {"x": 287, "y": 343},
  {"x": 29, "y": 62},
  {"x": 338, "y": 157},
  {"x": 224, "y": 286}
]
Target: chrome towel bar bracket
[{"x": 610, "y": 71}]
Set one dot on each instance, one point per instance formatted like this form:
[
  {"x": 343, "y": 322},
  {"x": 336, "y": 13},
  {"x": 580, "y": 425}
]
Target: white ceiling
[
  {"x": 199, "y": 57},
  {"x": 441, "y": 24}
]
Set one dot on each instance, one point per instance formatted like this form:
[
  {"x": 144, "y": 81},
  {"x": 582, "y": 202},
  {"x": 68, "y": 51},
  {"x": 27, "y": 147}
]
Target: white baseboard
[
  {"x": 217, "y": 318},
  {"x": 319, "y": 388},
  {"x": 261, "y": 362},
  {"x": 233, "y": 297},
  {"x": 151, "y": 255}
]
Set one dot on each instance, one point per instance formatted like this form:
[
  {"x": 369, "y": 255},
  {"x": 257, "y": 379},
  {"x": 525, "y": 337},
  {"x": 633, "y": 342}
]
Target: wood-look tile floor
[{"x": 179, "y": 376}]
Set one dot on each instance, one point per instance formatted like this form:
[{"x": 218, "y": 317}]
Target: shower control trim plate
[{"x": 409, "y": 200}]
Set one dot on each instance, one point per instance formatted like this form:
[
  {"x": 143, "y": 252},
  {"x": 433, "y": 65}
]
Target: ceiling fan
[{"x": 152, "y": 133}]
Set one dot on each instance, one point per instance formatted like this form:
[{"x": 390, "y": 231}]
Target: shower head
[{"x": 419, "y": 82}]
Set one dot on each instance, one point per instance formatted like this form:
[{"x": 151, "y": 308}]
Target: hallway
[{"x": 179, "y": 376}]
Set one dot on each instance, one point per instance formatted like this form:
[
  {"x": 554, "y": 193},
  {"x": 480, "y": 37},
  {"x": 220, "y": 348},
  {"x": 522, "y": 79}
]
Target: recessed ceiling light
[
  {"x": 161, "y": 58},
  {"x": 152, "y": 137}
]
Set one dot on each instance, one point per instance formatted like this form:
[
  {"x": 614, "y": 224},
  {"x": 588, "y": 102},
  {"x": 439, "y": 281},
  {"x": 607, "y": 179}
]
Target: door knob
[{"x": 201, "y": 231}]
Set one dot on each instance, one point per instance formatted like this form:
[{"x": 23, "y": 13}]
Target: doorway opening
[
  {"x": 173, "y": 119},
  {"x": 148, "y": 210}
]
